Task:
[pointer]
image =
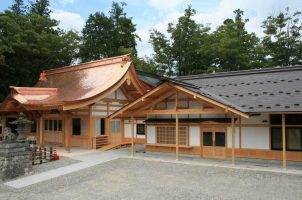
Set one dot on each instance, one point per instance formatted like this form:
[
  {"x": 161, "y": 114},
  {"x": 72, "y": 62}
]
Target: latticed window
[{"x": 166, "y": 135}]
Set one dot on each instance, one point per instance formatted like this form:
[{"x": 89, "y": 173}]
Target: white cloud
[
  {"x": 64, "y": 2},
  {"x": 68, "y": 20},
  {"x": 167, "y": 4}
]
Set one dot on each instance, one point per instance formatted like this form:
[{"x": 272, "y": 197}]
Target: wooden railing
[{"x": 100, "y": 141}]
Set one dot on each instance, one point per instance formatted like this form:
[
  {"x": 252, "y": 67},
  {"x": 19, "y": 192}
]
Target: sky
[{"x": 156, "y": 14}]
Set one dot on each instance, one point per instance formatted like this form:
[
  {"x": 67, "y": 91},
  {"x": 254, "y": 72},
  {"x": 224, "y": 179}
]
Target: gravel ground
[{"x": 139, "y": 179}]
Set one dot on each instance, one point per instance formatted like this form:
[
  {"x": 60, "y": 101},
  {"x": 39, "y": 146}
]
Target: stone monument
[{"x": 15, "y": 154}]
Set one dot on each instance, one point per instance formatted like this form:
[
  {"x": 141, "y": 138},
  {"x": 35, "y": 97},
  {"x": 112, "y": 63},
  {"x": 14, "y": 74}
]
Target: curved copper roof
[{"x": 61, "y": 86}]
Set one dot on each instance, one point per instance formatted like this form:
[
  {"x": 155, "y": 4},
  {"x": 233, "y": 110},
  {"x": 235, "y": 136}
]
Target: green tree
[
  {"x": 233, "y": 47},
  {"x": 282, "y": 38},
  {"x": 40, "y": 7},
  {"x": 30, "y": 43},
  {"x": 180, "y": 54},
  {"x": 18, "y": 7},
  {"x": 107, "y": 36}
]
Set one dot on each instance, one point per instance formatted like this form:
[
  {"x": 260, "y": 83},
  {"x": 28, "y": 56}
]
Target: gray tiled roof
[{"x": 260, "y": 90}]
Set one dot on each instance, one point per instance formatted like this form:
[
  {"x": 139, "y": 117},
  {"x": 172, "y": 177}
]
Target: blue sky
[{"x": 156, "y": 14}]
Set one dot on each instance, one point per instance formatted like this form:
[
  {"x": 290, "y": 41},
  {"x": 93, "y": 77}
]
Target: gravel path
[{"x": 139, "y": 179}]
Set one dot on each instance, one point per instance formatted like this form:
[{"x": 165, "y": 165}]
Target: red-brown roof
[{"x": 61, "y": 86}]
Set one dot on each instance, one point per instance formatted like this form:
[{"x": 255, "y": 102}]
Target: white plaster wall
[
  {"x": 120, "y": 95},
  {"x": 127, "y": 130},
  {"x": 151, "y": 134},
  {"x": 170, "y": 105},
  {"x": 194, "y": 104},
  {"x": 212, "y": 115},
  {"x": 236, "y": 137},
  {"x": 255, "y": 137},
  {"x": 99, "y": 114},
  {"x": 194, "y": 136},
  {"x": 99, "y": 107}
]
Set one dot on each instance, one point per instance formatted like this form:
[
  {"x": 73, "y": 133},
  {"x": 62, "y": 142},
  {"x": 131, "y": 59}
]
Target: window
[
  {"x": 55, "y": 125},
  {"x": 166, "y": 135},
  {"x": 33, "y": 127},
  {"x": 115, "y": 126},
  {"x": 290, "y": 119},
  {"x": 46, "y": 125},
  {"x": 293, "y": 138},
  {"x": 207, "y": 138},
  {"x": 50, "y": 125},
  {"x": 100, "y": 126},
  {"x": 276, "y": 138},
  {"x": 76, "y": 126},
  {"x": 140, "y": 129},
  {"x": 220, "y": 139},
  {"x": 60, "y": 125}
]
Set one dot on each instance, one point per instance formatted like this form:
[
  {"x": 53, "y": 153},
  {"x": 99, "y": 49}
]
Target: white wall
[
  {"x": 194, "y": 136},
  {"x": 151, "y": 134},
  {"x": 236, "y": 137},
  {"x": 128, "y": 129},
  {"x": 255, "y": 137}
]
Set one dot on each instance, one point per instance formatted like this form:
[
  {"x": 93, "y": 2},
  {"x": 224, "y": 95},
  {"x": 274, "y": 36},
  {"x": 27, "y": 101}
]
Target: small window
[
  {"x": 294, "y": 139},
  {"x": 50, "y": 125},
  {"x": 100, "y": 126},
  {"x": 33, "y": 127},
  {"x": 76, "y": 126},
  {"x": 55, "y": 125},
  {"x": 276, "y": 138},
  {"x": 140, "y": 129},
  {"x": 46, "y": 125},
  {"x": 115, "y": 126},
  {"x": 207, "y": 139},
  {"x": 59, "y": 125},
  {"x": 220, "y": 139}
]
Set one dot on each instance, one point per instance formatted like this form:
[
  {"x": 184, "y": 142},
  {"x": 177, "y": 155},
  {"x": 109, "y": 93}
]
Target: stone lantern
[
  {"x": 15, "y": 154},
  {"x": 21, "y": 122}
]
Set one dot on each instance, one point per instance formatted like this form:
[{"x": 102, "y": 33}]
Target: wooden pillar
[
  {"x": 283, "y": 141},
  {"x": 41, "y": 132},
  {"x": 132, "y": 137},
  {"x": 177, "y": 137},
  {"x": 233, "y": 139},
  {"x": 176, "y": 128},
  {"x": 67, "y": 132},
  {"x": 91, "y": 131},
  {"x": 3, "y": 121},
  {"x": 239, "y": 127}
]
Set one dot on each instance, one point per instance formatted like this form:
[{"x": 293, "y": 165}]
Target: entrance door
[
  {"x": 214, "y": 142},
  {"x": 53, "y": 131}
]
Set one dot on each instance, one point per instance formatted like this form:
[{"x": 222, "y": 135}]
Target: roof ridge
[
  {"x": 242, "y": 72},
  {"x": 85, "y": 65}
]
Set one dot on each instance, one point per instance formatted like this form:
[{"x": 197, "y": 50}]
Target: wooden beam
[
  {"x": 41, "y": 133},
  {"x": 132, "y": 136},
  {"x": 283, "y": 141},
  {"x": 209, "y": 100},
  {"x": 239, "y": 127},
  {"x": 139, "y": 100},
  {"x": 233, "y": 139},
  {"x": 164, "y": 96},
  {"x": 173, "y": 112}
]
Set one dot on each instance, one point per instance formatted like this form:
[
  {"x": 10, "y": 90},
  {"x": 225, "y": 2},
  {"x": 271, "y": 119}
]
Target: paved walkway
[{"x": 89, "y": 158}]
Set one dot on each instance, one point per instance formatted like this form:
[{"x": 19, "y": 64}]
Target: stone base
[{"x": 15, "y": 160}]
